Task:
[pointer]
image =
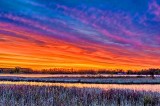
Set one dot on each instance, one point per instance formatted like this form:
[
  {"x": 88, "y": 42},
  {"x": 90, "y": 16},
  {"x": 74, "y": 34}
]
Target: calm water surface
[
  {"x": 72, "y": 75},
  {"x": 139, "y": 87}
]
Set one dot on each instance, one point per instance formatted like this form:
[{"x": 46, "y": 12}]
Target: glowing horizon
[{"x": 74, "y": 34}]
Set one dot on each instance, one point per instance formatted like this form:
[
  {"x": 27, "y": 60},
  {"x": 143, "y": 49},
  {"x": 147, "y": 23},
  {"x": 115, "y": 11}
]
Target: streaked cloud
[{"x": 80, "y": 34}]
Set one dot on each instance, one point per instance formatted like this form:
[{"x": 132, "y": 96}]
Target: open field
[{"x": 21, "y": 94}]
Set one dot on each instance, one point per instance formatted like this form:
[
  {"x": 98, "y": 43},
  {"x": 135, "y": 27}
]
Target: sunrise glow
[{"x": 107, "y": 34}]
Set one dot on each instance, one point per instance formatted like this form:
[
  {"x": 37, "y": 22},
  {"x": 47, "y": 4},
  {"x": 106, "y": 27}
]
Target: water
[
  {"x": 86, "y": 78},
  {"x": 138, "y": 87},
  {"x": 73, "y": 75}
]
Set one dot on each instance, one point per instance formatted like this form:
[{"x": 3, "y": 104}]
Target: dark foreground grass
[{"x": 26, "y": 95}]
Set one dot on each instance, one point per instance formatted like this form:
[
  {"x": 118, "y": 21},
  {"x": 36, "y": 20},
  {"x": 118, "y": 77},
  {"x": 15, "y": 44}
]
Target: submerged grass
[{"x": 31, "y": 95}]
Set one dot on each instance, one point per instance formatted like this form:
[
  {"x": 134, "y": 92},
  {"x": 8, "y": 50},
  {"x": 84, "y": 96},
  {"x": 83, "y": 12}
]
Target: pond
[{"x": 138, "y": 87}]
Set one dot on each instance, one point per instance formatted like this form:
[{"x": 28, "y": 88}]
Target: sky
[{"x": 80, "y": 34}]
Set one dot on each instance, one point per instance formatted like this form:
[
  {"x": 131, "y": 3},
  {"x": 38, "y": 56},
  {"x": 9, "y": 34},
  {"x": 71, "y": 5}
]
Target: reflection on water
[
  {"x": 71, "y": 75},
  {"x": 145, "y": 87}
]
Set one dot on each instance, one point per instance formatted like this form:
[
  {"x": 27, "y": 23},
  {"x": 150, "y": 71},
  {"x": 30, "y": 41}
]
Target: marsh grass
[{"x": 27, "y": 95}]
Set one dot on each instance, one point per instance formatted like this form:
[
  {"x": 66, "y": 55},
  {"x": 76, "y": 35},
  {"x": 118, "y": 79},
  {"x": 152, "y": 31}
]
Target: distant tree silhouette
[
  {"x": 129, "y": 72},
  {"x": 152, "y": 72},
  {"x": 16, "y": 70},
  {"x": 1, "y": 70}
]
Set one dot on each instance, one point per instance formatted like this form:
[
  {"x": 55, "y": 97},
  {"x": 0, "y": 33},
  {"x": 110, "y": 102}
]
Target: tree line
[{"x": 19, "y": 70}]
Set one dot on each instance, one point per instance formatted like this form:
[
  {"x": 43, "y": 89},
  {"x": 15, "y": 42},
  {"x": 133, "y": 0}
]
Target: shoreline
[{"x": 86, "y": 80}]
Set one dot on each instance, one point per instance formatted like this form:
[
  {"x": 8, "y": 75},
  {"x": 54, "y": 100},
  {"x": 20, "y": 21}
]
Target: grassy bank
[{"x": 26, "y": 95}]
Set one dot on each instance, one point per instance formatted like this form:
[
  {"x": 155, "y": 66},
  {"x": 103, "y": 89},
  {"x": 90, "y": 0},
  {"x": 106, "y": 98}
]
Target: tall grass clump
[{"x": 27, "y": 95}]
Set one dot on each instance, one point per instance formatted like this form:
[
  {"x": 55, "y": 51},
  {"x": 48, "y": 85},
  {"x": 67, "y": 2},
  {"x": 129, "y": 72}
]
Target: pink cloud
[{"x": 154, "y": 8}]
